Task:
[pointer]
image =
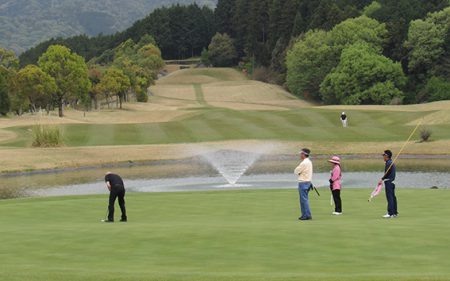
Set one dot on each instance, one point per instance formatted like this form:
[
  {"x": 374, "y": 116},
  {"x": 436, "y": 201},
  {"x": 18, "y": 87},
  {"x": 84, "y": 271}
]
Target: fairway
[
  {"x": 218, "y": 106},
  {"x": 228, "y": 235},
  {"x": 223, "y": 124},
  {"x": 221, "y": 104}
]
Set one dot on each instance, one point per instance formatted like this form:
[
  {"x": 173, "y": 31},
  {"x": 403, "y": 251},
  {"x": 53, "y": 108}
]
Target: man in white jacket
[
  {"x": 304, "y": 171},
  {"x": 344, "y": 119}
]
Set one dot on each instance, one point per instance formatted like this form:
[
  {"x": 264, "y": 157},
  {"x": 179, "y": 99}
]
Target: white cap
[{"x": 343, "y": 113}]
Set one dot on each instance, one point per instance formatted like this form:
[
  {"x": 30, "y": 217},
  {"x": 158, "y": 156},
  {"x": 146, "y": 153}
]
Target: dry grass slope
[{"x": 225, "y": 88}]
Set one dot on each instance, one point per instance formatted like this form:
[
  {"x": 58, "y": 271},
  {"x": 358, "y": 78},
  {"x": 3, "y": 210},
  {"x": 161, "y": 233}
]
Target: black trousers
[
  {"x": 391, "y": 198},
  {"x": 117, "y": 192},
  {"x": 337, "y": 200}
]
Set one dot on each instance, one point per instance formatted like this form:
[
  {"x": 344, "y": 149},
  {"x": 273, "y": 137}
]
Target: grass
[
  {"x": 223, "y": 124},
  {"x": 214, "y": 105},
  {"x": 191, "y": 94},
  {"x": 199, "y": 94},
  {"x": 231, "y": 235},
  {"x": 203, "y": 76},
  {"x": 46, "y": 136}
]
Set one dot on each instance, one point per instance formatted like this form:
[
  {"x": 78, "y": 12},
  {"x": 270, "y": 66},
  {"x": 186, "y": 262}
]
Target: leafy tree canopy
[
  {"x": 363, "y": 76},
  {"x": 222, "y": 51},
  {"x": 70, "y": 73}
]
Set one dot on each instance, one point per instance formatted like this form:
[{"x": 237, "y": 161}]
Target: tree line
[
  {"x": 407, "y": 41},
  {"x": 61, "y": 77},
  {"x": 350, "y": 64},
  {"x": 180, "y": 31}
]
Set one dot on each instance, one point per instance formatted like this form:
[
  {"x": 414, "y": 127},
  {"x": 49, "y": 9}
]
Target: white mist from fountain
[{"x": 232, "y": 164}]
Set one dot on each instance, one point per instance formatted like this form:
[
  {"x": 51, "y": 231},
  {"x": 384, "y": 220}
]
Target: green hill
[{"x": 25, "y": 23}]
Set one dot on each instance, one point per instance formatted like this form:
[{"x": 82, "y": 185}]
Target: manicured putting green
[{"x": 231, "y": 235}]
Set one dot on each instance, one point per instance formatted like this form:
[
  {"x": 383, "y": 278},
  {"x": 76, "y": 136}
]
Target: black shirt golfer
[
  {"x": 389, "y": 178},
  {"x": 116, "y": 190}
]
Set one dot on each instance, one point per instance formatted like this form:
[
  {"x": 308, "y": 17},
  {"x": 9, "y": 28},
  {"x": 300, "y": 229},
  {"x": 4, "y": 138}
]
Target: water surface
[
  {"x": 196, "y": 174},
  {"x": 266, "y": 181}
]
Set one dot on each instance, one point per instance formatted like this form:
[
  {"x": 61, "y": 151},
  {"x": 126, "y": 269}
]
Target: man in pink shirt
[{"x": 335, "y": 184}]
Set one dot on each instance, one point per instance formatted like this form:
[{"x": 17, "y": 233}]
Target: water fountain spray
[{"x": 232, "y": 164}]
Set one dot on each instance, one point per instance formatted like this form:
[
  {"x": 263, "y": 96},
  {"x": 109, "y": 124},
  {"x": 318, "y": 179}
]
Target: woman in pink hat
[{"x": 335, "y": 184}]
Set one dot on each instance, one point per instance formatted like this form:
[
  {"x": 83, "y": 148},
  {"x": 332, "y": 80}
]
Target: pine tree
[
  {"x": 287, "y": 18},
  {"x": 257, "y": 31},
  {"x": 240, "y": 24},
  {"x": 274, "y": 18},
  {"x": 299, "y": 25},
  {"x": 224, "y": 16}
]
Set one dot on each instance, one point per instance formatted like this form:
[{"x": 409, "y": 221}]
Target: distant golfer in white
[{"x": 344, "y": 119}]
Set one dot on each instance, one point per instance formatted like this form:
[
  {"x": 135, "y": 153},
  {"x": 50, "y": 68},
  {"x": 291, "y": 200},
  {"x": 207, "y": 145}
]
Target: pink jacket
[{"x": 336, "y": 177}]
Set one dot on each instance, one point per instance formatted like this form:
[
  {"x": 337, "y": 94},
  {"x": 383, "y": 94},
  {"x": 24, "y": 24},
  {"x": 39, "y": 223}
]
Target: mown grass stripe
[
  {"x": 199, "y": 94},
  {"x": 239, "y": 235},
  {"x": 225, "y": 124}
]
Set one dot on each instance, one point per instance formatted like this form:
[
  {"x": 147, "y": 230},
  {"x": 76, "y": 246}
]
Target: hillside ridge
[{"x": 25, "y": 23}]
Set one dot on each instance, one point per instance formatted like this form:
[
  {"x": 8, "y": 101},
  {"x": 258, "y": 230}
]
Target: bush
[
  {"x": 425, "y": 134},
  {"x": 396, "y": 101},
  {"x": 141, "y": 95},
  {"x": 372, "y": 9},
  {"x": 438, "y": 89},
  {"x": 205, "y": 58},
  {"x": 246, "y": 67},
  {"x": 261, "y": 74},
  {"x": 267, "y": 75},
  {"x": 221, "y": 51},
  {"x": 47, "y": 136},
  {"x": 11, "y": 192}
]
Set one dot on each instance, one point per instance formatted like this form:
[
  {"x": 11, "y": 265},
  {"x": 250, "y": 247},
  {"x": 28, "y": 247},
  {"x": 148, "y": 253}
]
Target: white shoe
[
  {"x": 337, "y": 213},
  {"x": 387, "y": 216}
]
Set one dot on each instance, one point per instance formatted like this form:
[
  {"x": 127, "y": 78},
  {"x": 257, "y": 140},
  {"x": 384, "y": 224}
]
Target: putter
[
  {"x": 331, "y": 200},
  {"x": 106, "y": 216},
  {"x": 315, "y": 189}
]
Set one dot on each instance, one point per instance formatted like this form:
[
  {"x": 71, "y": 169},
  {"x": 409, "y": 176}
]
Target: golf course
[
  {"x": 227, "y": 234},
  {"x": 225, "y": 140},
  {"x": 218, "y": 106}
]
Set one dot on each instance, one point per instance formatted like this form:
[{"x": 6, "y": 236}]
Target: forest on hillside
[
  {"x": 401, "y": 48},
  {"x": 25, "y": 23}
]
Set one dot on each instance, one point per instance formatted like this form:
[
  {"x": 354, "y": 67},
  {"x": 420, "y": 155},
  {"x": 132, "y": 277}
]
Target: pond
[
  {"x": 268, "y": 181},
  {"x": 198, "y": 174}
]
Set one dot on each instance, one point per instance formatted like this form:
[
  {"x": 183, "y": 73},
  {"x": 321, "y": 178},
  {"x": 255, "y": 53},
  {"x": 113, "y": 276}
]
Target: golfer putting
[
  {"x": 304, "y": 172},
  {"x": 116, "y": 188}
]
